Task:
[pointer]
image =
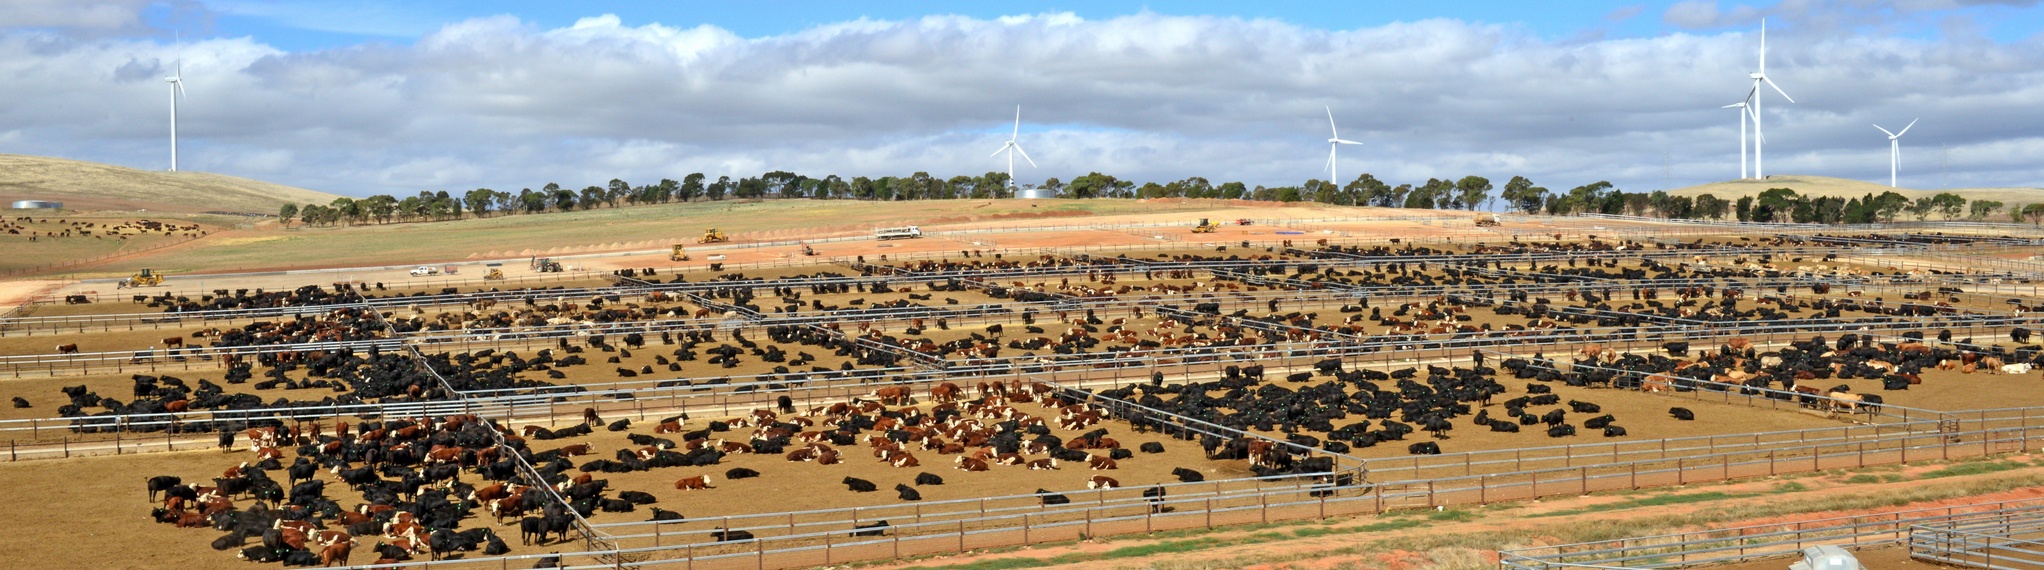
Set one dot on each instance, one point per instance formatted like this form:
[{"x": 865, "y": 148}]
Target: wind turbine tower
[
  {"x": 1895, "y": 150},
  {"x": 177, "y": 91},
  {"x": 1744, "y": 114},
  {"x": 1759, "y": 77},
  {"x": 1333, "y": 142}
]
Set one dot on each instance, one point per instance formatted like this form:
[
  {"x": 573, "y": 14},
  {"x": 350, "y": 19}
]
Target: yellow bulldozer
[
  {"x": 679, "y": 253},
  {"x": 712, "y": 235},
  {"x": 495, "y": 274},
  {"x": 147, "y": 278},
  {"x": 1205, "y": 227}
]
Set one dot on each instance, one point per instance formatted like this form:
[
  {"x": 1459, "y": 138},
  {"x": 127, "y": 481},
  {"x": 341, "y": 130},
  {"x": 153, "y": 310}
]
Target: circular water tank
[
  {"x": 37, "y": 205},
  {"x": 1035, "y": 194}
]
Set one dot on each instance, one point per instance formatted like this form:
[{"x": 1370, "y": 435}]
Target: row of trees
[{"x": 1465, "y": 193}]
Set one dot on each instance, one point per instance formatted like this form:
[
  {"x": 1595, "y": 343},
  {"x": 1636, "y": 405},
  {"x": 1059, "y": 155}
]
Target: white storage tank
[
  {"x": 1035, "y": 194},
  {"x": 37, "y": 205}
]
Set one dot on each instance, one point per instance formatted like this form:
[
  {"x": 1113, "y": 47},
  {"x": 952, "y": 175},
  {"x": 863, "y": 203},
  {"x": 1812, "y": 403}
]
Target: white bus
[{"x": 904, "y": 232}]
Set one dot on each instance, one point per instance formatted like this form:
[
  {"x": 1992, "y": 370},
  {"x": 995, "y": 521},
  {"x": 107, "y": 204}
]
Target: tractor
[
  {"x": 546, "y": 265},
  {"x": 806, "y": 250},
  {"x": 147, "y": 278},
  {"x": 1205, "y": 227},
  {"x": 713, "y": 236},
  {"x": 679, "y": 253}
]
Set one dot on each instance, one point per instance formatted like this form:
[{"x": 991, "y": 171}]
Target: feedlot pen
[{"x": 1318, "y": 318}]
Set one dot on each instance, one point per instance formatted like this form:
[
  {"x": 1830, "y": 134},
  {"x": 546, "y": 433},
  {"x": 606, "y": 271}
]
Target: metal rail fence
[
  {"x": 2009, "y": 539},
  {"x": 1748, "y": 542}
]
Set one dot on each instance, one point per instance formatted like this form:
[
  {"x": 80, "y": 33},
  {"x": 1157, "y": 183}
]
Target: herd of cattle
[
  {"x": 409, "y": 474},
  {"x": 416, "y": 483},
  {"x": 39, "y": 229}
]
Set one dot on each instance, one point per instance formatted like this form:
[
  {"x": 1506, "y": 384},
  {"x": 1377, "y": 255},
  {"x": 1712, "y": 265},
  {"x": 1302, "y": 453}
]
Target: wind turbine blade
[
  {"x": 1885, "y": 131},
  {"x": 180, "y": 85},
  {"x": 1741, "y": 104},
  {"x": 1777, "y": 89},
  {"x": 1025, "y": 155},
  {"x": 1336, "y": 132},
  {"x": 1763, "y": 47},
  {"x": 998, "y": 152},
  {"x": 1018, "y": 123},
  {"x": 1912, "y": 123},
  {"x": 1330, "y": 158},
  {"x": 1341, "y": 141}
]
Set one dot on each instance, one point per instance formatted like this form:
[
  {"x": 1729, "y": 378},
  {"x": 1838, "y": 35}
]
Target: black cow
[
  {"x": 859, "y": 485},
  {"x": 1682, "y": 414},
  {"x": 1152, "y": 447},
  {"x": 161, "y": 483},
  {"x": 638, "y": 497},
  {"x": 19, "y": 402},
  {"x": 531, "y": 529},
  {"x": 1563, "y": 430},
  {"x": 876, "y": 528},
  {"x": 1050, "y": 498},
  {"x": 663, "y": 515},
  {"x": 1583, "y": 407},
  {"x": 1599, "y": 422},
  {"x": 740, "y": 473},
  {"x": 1187, "y": 475},
  {"x": 1614, "y": 431},
  {"x": 908, "y": 493},
  {"x": 1424, "y": 448},
  {"x": 928, "y": 479},
  {"x": 721, "y": 535}
]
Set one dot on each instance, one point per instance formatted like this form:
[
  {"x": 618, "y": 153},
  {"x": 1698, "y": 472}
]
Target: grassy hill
[
  {"x": 1844, "y": 188},
  {"x": 92, "y": 186}
]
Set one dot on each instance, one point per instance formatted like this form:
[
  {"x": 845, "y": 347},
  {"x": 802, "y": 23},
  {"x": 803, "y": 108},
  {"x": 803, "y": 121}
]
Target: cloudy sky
[{"x": 369, "y": 96}]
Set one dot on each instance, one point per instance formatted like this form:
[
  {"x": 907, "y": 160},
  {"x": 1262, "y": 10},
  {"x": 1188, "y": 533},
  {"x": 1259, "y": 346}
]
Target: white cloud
[{"x": 501, "y": 103}]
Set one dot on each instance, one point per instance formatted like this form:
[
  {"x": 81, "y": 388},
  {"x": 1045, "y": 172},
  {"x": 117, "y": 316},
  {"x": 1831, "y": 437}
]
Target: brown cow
[
  {"x": 969, "y": 464},
  {"x": 696, "y": 482},
  {"x": 174, "y": 342},
  {"x": 336, "y": 553},
  {"x": 903, "y": 459},
  {"x": 574, "y": 450},
  {"x": 1100, "y": 462},
  {"x": 1102, "y": 482},
  {"x": 67, "y": 348},
  {"x": 668, "y": 427}
]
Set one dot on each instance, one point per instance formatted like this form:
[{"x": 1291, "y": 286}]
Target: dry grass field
[
  {"x": 1806, "y": 185},
  {"x": 92, "y": 186}
]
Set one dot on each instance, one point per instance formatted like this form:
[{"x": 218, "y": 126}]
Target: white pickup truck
[
  {"x": 904, "y": 232},
  {"x": 425, "y": 270}
]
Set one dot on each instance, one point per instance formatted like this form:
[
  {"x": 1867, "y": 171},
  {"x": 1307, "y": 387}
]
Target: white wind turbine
[
  {"x": 1011, "y": 148},
  {"x": 177, "y": 91},
  {"x": 1333, "y": 142},
  {"x": 1760, "y": 77},
  {"x": 1895, "y": 150},
  {"x": 1744, "y": 111}
]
